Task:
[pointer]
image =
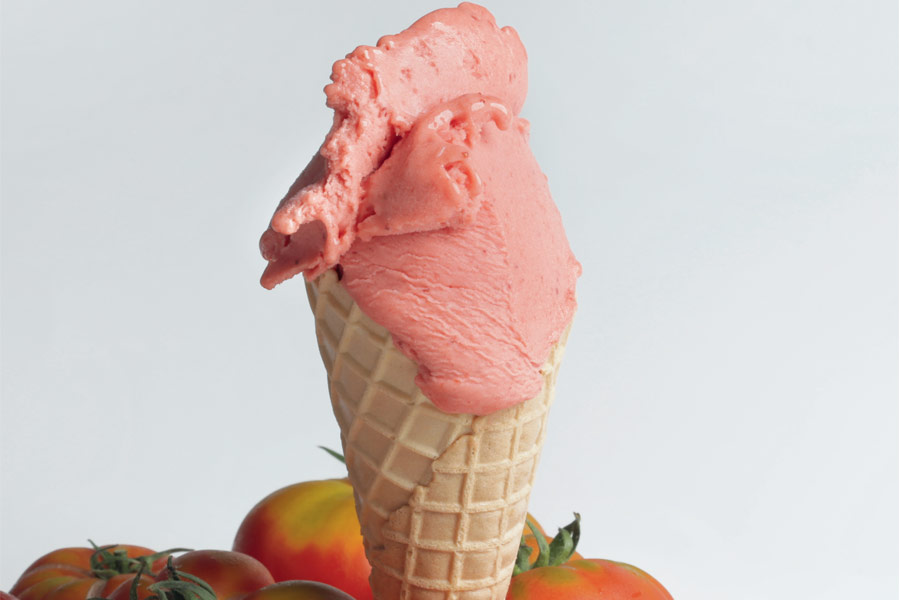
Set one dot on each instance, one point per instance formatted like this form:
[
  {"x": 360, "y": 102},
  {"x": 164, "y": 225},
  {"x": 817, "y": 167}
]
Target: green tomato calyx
[
  {"x": 552, "y": 554},
  {"x": 106, "y": 562},
  {"x": 178, "y": 586}
]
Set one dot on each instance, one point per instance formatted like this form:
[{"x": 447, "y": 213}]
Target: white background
[{"x": 726, "y": 415}]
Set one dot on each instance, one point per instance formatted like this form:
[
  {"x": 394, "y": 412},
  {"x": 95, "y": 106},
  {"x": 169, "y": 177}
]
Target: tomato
[
  {"x": 45, "y": 573},
  {"x": 229, "y": 574},
  {"x": 298, "y": 590},
  {"x": 81, "y": 557},
  {"x": 43, "y": 588},
  {"x": 122, "y": 591},
  {"x": 111, "y": 586},
  {"x": 5, "y": 596},
  {"x": 79, "y": 573},
  {"x": 586, "y": 579},
  {"x": 309, "y": 531},
  {"x": 559, "y": 572},
  {"x": 78, "y": 589}
]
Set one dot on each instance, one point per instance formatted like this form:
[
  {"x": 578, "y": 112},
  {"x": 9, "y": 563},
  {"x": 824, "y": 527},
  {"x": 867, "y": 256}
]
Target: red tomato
[
  {"x": 79, "y": 573},
  {"x": 586, "y": 579},
  {"x": 298, "y": 590},
  {"x": 43, "y": 588},
  {"x": 48, "y": 572},
  {"x": 229, "y": 574},
  {"x": 309, "y": 531},
  {"x": 74, "y": 590},
  {"x": 5, "y": 596},
  {"x": 112, "y": 584},
  {"x": 123, "y": 590},
  {"x": 81, "y": 557}
]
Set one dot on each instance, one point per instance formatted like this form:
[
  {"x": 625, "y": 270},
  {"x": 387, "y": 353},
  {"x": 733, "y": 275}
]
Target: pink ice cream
[{"x": 426, "y": 195}]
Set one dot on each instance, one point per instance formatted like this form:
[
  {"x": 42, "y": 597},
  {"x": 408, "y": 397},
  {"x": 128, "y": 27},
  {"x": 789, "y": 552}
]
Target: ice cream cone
[{"x": 441, "y": 498}]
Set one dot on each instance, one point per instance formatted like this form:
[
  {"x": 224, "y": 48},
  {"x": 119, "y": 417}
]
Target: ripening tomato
[
  {"x": 43, "y": 588},
  {"x": 112, "y": 585},
  {"x": 298, "y": 590},
  {"x": 122, "y": 591},
  {"x": 5, "y": 596},
  {"x": 586, "y": 579},
  {"x": 39, "y": 589},
  {"x": 79, "y": 573},
  {"x": 81, "y": 557},
  {"x": 78, "y": 589},
  {"x": 49, "y": 572},
  {"x": 229, "y": 574},
  {"x": 309, "y": 531}
]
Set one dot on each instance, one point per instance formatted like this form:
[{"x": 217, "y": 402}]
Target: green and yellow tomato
[{"x": 309, "y": 531}]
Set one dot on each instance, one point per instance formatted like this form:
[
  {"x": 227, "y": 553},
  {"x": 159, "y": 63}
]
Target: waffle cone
[{"x": 441, "y": 498}]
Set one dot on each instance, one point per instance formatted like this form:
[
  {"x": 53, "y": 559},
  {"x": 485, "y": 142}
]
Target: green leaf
[
  {"x": 575, "y": 529},
  {"x": 183, "y": 586},
  {"x": 561, "y": 548},
  {"x": 335, "y": 454},
  {"x": 543, "y": 557},
  {"x": 563, "y": 545},
  {"x": 522, "y": 563},
  {"x": 557, "y": 552}
]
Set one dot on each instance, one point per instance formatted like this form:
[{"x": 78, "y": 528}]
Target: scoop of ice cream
[
  {"x": 427, "y": 194},
  {"x": 464, "y": 258},
  {"x": 377, "y": 95}
]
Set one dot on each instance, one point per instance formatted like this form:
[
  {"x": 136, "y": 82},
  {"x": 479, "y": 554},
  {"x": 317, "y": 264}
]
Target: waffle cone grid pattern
[{"x": 441, "y": 498}]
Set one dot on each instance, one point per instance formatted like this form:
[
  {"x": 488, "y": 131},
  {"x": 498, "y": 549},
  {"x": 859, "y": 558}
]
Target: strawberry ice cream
[{"x": 426, "y": 198}]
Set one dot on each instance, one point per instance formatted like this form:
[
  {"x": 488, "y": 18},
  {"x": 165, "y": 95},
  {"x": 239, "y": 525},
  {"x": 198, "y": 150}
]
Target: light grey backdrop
[{"x": 727, "y": 173}]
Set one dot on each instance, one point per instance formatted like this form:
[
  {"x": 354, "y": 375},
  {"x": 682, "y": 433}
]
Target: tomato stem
[
  {"x": 558, "y": 551},
  {"x": 135, "y": 582},
  {"x": 182, "y": 586},
  {"x": 522, "y": 562},
  {"x": 543, "y": 557},
  {"x": 334, "y": 453},
  {"x": 107, "y": 563}
]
